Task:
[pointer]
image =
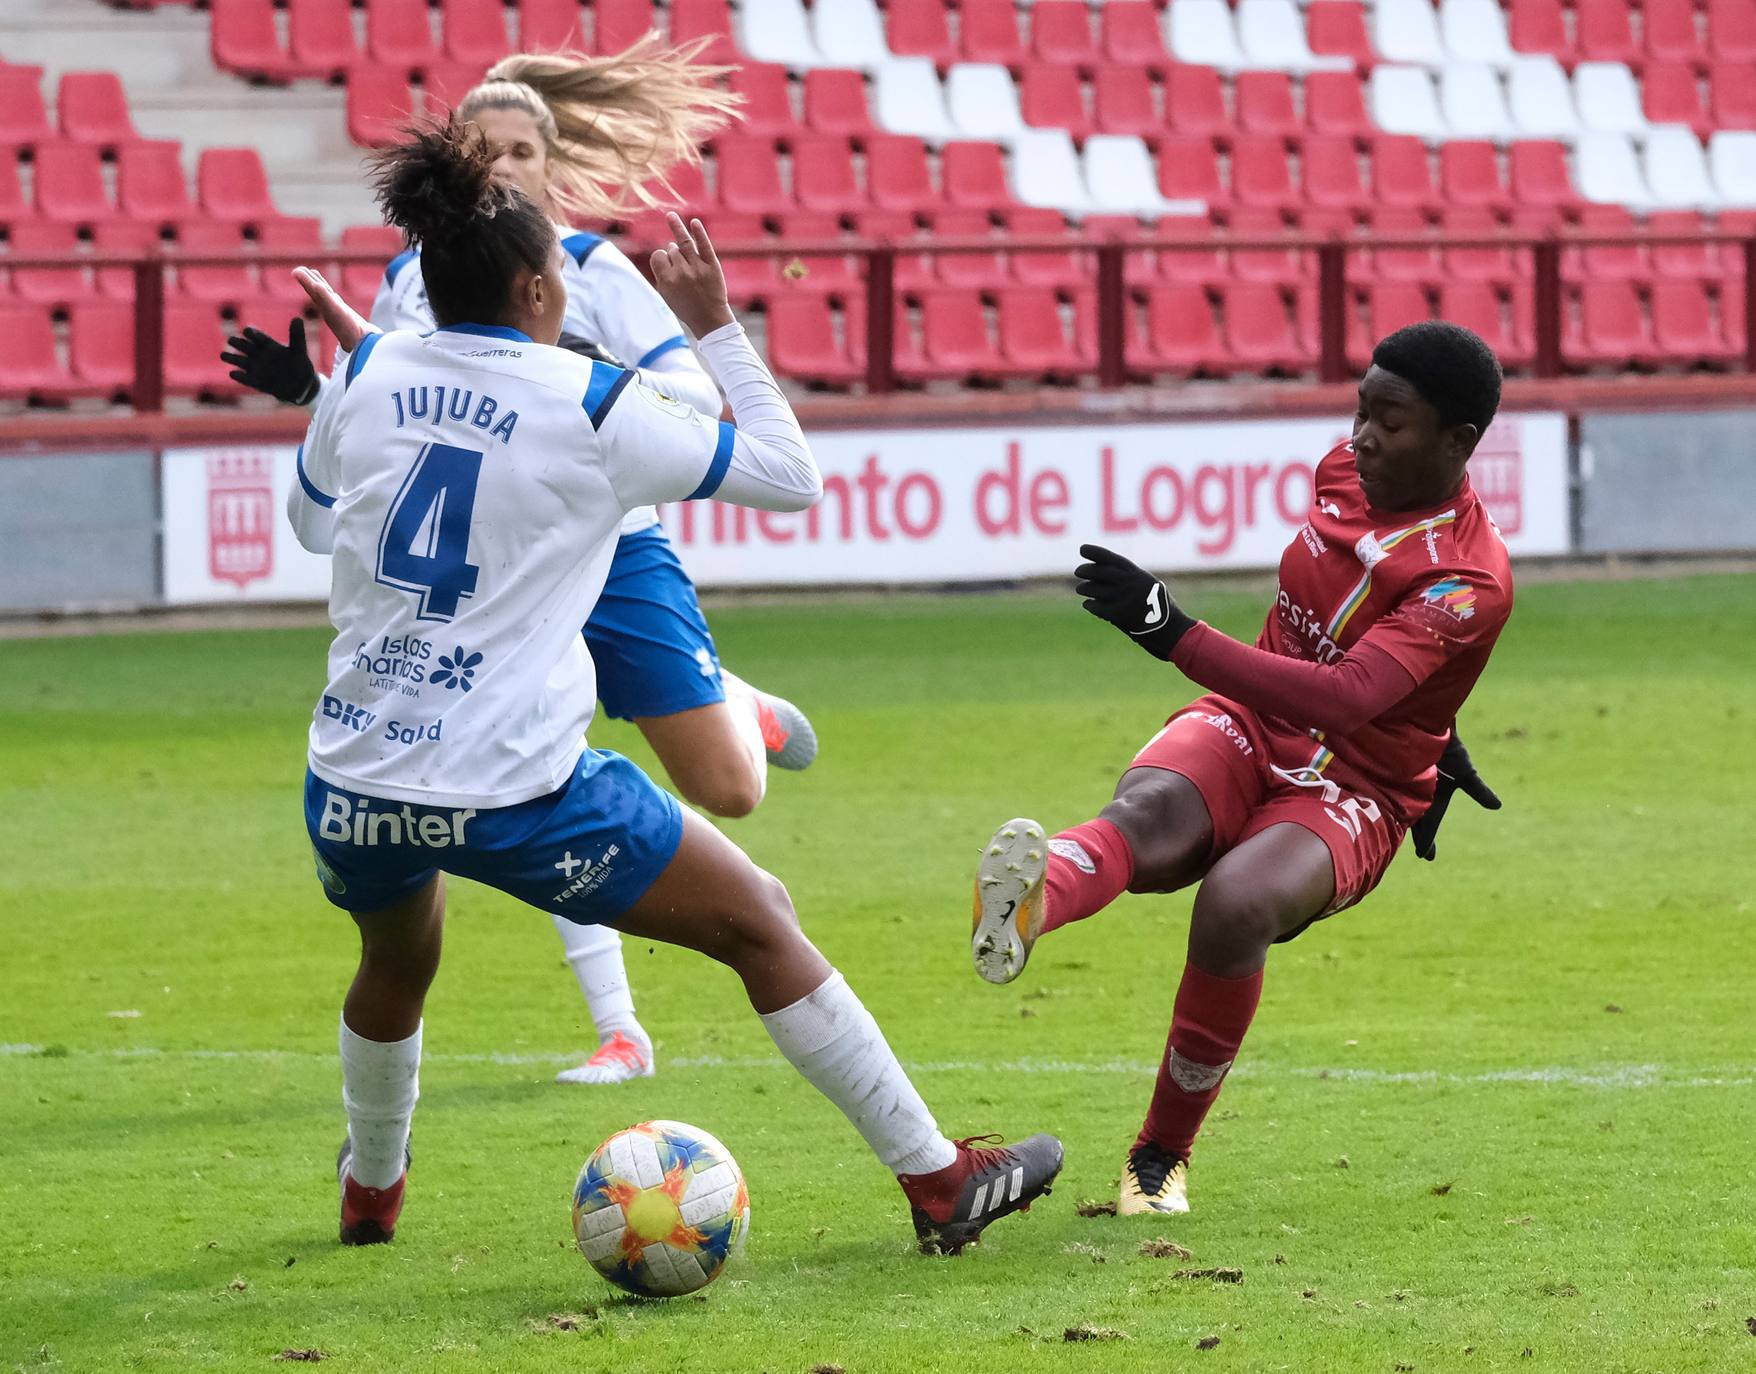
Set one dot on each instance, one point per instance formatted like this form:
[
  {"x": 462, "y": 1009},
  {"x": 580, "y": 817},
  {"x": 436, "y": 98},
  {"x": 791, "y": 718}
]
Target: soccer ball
[{"x": 659, "y": 1208}]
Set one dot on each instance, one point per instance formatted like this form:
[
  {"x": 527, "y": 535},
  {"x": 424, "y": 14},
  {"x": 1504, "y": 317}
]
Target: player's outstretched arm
[{"x": 1456, "y": 774}]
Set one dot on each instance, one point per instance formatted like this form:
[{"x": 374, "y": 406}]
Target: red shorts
[{"x": 1252, "y": 777}]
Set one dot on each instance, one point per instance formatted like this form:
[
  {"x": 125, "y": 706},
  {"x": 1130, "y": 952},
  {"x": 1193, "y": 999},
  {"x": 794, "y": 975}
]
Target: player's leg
[
  {"x": 624, "y": 1051},
  {"x": 712, "y": 898},
  {"x": 381, "y": 1057}
]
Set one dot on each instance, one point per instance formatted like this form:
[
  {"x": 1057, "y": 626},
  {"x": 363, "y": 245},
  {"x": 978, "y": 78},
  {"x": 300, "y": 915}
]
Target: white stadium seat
[
  {"x": 1676, "y": 170},
  {"x": 1541, "y": 99},
  {"x": 849, "y": 33},
  {"x": 1403, "y": 102},
  {"x": 1732, "y": 156},
  {"x": 1046, "y": 172},
  {"x": 1202, "y": 34},
  {"x": 1608, "y": 99},
  {"x": 1472, "y": 103},
  {"x": 1272, "y": 35},
  {"x": 1475, "y": 31},
  {"x": 908, "y": 99},
  {"x": 777, "y": 31},
  {"x": 983, "y": 101},
  {"x": 1407, "y": 31},
  {"x": 1121, "y": 179},
  {"x": 1606, "y": 171}
]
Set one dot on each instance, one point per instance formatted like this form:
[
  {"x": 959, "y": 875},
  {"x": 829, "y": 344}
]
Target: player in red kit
[{"x": 1285, "y": 791}]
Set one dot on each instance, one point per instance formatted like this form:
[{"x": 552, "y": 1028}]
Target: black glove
[
  {"x": 1131, "y": 599},
  {"x": 578, "y": 343},
  {"x": 1456, "y": 774},
  {"x": 280, "y": 370}
]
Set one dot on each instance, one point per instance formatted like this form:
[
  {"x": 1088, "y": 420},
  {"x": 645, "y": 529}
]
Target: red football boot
[
  {"x": 368, "y": 1215},
  {"x": 953, "y": 1206}
]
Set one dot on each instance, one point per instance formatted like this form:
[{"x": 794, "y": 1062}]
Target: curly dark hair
[{"x": 1453, "y": 370}]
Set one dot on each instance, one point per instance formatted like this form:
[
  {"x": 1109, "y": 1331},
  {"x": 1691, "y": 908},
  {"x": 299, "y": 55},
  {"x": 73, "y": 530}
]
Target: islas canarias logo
[{"x": 1452, "y": 595}]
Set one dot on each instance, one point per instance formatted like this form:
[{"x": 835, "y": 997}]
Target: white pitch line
[{"x": 1610, "y": 1076}]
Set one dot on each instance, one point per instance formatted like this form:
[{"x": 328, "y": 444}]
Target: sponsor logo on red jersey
[{"x": 1454, "y": 596}]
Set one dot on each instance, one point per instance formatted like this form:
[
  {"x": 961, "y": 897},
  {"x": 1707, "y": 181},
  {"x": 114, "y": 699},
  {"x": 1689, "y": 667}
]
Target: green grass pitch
[{"x": 1500, "y": 1117}]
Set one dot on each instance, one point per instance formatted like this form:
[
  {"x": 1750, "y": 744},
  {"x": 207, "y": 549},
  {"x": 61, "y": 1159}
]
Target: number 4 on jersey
[{"x": 424, "y": 548}]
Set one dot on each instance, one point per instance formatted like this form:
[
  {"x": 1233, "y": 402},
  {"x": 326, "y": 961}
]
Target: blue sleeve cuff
[
  {"x": 657, "y": 351},
  {"x": 299, "y": 466},
  {"x": 722, "y": 461}
]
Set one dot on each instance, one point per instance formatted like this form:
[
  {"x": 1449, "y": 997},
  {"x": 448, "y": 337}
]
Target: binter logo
[
  {"x": 354, "y": 820},
  {"x": 354, "y": 717}
]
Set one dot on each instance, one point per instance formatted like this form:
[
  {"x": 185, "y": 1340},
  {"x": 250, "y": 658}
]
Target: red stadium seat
[
  {"x": 1669, "y": 33},
  {"x": 1733, "y": 98},
  {"x": 194, "y": 336},
  {"x": 1611, "y": 329},
  {"x": 955, "y": 338},
  {"x": 1682, "y": 259},
  {"x": 914, "y": 267},
  {"x": 749, "y": 175},
  {"x": 1609, "y": 261},
  {"x": 1129, "y": 35},
  {"x": 243, "y": 39},
  {"x": 1260, "y": 174},
  {"x": 823, "y": 174},
  {"x": 1188, "y": 169},
  {"x": 289, "y": 234},
  {"x": 475, "y": 31},
  {"x": 1258, "y": 330},
  {"x": 1123, "y": 103},
  {"x": 974, "y": 176},
  {"x": 768, "y": 100},
  {"x": 228, "y": 284},
  {"x": 686, "y": 188},
  {"x": 1137, "y": 262},
  {"x": 399, "y": 33},
  {"x": 445, "y": 84},
  {"x": 58, "y": 287},
  {"x": 1335, "y": 103},
  {"x": 1185, "y": 265},
  {"x": 1276, "y": 265},
  {"x": 101, "y": 348},
  {"x": 1469, "y": 174},
  {"x": 1060, "y": 31},
  {"x": 320, "y": 40},
  {"x": 1182, "y": 336},
  {"x": 232, "y": 185},
  {"x": 747, "y": 278},
  {"x": 1403, "y": 264},
  {"x": 1265, "y": 104},
  {"x": 838, "y": 274},
  {"x": 1682, "y": 323},
  {"x": 1402, "y": 172},
  {"x": 360, "y": 281},
  {"x": 1195, "y": 102},
  {"x": 1033, "y": 339},
  {"x": 1495, "y": 265},
  {"x": 1671, "y": 94},
  {"x": 621, "y": 22},
  {"x": 1337, "y": 28},
  {"x": 1331, "y": 173},
  {"x": 1388, "y": 307},
  {"x": 1477, "y": 306},
  {"x": 149, "y": 182},
  {"x": 981, "y": 271},
  {"x": 549, "y": 25},
  {"x": 989, "y": 32},
  {"x": 1539, "y": 175},
  {"x": 1606, "y": 32},
  {"x": 121, "y": 236},
  {"x": 802, "y": 343},
  {"x": 1538, "y": 26},
  {"x": 835, "y": 102},
  {"x": 24, "y": 122},
  {"x": 1049, "y": 97},
  {"x": 70, "y": 184},
  {"x": 1043, "y": 267},
  {"x": 1731, "y": 30},
  {"x": 13, "y": 206},
  {"x": 29, "y": 366},
  {"x": 919, "y": 28},
  {"x": 379, "y": 104}
]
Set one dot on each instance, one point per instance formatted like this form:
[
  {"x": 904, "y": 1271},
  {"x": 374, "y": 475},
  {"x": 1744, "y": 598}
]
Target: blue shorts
[
  {"x": 587, "y": 851},
  {"x": 647, "y": 635}
]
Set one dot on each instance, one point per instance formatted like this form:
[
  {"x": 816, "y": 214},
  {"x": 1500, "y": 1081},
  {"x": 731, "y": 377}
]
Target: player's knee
[
  {"x": 1148, "y": 812},
  {"x": 762, "y": 924},
  {"x": 729, "y": 789},
  {"x": 1234, "y": 922}
]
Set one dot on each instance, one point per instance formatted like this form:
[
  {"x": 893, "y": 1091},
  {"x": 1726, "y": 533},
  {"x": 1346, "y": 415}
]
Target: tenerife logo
[
  {"x": 1454, "y": 596},
  {"x": 240, "y": 517},
  {"x": 456, "y": 669}
]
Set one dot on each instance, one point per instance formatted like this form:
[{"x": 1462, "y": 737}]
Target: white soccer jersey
[
  {"x": 608, "y": 302},
  {"x": 470, "y": 485}
]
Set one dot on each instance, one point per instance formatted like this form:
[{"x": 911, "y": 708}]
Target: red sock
[
  {"x": 1089, "y": 867},
  {"x": 1207, "y": 1027}
]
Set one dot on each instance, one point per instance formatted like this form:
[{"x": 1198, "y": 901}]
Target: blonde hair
[{"x": 612, "y": 124}]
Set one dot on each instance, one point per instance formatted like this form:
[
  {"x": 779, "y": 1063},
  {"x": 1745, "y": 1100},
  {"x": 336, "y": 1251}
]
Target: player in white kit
[
  {"x": 470, "y": 485},
  {"x": 565, "y": 128}
]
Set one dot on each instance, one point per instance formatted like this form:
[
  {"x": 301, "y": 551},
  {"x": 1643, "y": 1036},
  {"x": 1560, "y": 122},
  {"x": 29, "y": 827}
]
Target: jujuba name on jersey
[{"x": 438, "y": 403}]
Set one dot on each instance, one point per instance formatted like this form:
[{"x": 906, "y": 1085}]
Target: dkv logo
[{"x": 240, "y": 517}]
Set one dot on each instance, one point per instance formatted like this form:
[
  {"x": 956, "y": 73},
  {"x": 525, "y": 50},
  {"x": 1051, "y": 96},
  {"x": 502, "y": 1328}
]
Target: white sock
[
  {"x": 595, "y": 952},
  {"x": 831, "y": 1039},
  {"x": 741, "y": 697},
  {"x": 380, "y": 1083}
]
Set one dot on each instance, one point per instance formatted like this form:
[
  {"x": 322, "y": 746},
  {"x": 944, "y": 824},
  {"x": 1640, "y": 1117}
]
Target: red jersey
[{"x": 1431, "y": 588}]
